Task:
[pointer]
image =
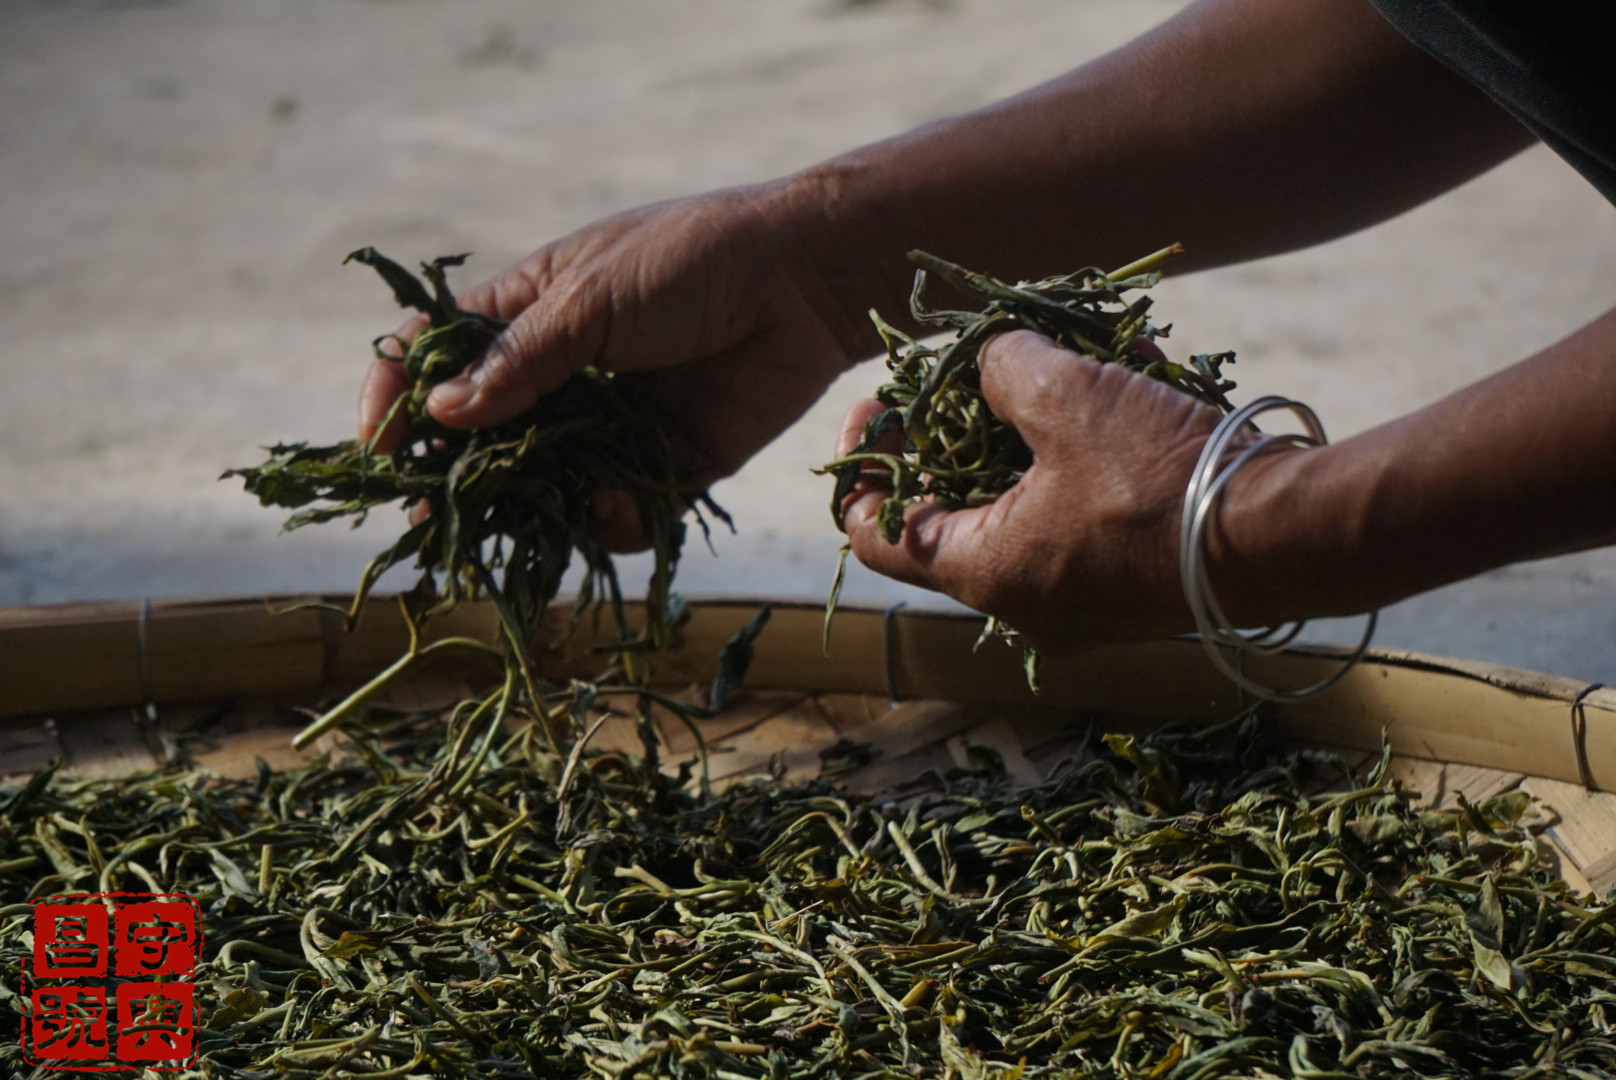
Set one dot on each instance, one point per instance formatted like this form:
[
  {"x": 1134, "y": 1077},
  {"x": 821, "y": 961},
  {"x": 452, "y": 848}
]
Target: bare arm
[
  {"x": 1521, "y": 465},
  {"x": 1240, "y": 127}
]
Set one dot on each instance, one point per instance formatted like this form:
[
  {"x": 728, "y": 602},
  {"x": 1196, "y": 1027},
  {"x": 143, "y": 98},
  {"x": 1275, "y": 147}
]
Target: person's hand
[
  {"x": 1084, "y": 550},
  {"x": 712, "y": 295}
]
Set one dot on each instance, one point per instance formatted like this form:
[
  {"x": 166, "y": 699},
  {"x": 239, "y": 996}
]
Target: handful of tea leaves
[
  {"x": 951, "y": 446},
  {"x": 509, "y": 504}
]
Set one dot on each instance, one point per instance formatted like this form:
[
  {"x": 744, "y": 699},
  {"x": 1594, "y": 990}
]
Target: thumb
[
  {"x": 1032, "y": 384},
  {"x": 562, "y": 332}
]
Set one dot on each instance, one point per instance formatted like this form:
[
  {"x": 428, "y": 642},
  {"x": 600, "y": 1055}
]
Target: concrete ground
[{"x": 179, "y": 181}]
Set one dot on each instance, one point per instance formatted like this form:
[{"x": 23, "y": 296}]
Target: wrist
[{"x": 1287, "y": 540}]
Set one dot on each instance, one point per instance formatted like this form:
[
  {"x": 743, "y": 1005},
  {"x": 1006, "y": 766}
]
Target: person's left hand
[{"x": 1084, "y": 550}]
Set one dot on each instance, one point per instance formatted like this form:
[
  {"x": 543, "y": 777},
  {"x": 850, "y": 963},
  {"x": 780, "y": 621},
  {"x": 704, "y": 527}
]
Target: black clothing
[{"x": 1552, "y": 63}]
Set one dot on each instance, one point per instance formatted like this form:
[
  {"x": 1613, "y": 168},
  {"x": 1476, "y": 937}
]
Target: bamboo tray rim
[
  {"x": 62, "y": 658},
  {"x": 120, "y": 612}
]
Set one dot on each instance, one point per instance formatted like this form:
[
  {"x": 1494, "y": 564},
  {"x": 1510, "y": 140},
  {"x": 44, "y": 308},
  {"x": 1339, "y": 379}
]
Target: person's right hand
[{"x": 712, "y": 295}]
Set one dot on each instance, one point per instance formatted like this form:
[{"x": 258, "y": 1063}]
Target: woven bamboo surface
[{"x": 232, "y": 681}]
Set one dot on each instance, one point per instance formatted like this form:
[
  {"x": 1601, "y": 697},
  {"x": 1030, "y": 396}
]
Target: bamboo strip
[{"x": 65, "y": 659}]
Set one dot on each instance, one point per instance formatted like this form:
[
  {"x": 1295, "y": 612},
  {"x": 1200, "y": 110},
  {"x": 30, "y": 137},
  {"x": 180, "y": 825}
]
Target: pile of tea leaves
[
  {"x": 1176, "y": 906},
  {"x": 938, "y": 440}
]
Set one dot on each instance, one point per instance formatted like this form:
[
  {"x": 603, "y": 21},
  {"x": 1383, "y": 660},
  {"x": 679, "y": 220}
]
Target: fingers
[
  {"x": 494, "y": 388},
  {"x": 463, "y": 402},
  {"x": 858, "y": 415},
  {"x": 1083, "y": 548},
  {"x": 870, "y": 481},
  {"x": 948, "y": 551},
  {"x": 560, "y": 332},
  {"x": 937, "y": 548},
  {"x": 1029, "y": 382},
  {"x": 994, "y": 559},
  {"x": 954, "y": 552},
  {"x": 384, "y": 383},
  {"x": 498, "y": 386}
]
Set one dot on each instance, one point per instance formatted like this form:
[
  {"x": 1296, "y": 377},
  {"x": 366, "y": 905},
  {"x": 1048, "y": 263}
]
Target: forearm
[
  {"x": 1519, "y": 466},
  {"x": 1240, "y": 127}
]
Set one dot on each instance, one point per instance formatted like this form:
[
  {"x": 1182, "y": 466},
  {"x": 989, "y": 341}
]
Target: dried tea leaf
[{"x": 736, "y": 658}]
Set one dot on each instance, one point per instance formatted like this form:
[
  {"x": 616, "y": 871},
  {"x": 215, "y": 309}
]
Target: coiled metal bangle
[{"x": 1201, "y": 500}]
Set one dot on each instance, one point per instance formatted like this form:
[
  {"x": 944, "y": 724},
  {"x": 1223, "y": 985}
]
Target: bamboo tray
[{"x": 114, "y": 687}]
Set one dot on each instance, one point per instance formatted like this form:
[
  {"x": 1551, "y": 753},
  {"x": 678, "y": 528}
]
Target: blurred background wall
[{"x": 180, "y": 180}]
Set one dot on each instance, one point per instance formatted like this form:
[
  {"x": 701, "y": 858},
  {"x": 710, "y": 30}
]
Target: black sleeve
[{"x": 1552, "y": 63}]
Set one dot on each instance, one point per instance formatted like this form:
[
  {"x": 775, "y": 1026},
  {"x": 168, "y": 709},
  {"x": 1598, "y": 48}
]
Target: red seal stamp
[{"x": 109, "y": 983}]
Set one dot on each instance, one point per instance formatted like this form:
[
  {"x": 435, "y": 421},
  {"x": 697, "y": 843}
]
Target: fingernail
[{"x": 452, "y": 396}]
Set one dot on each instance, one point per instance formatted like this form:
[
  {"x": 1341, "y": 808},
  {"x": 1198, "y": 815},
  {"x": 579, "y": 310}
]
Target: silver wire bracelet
[{"x": 1201, "y": 500}]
